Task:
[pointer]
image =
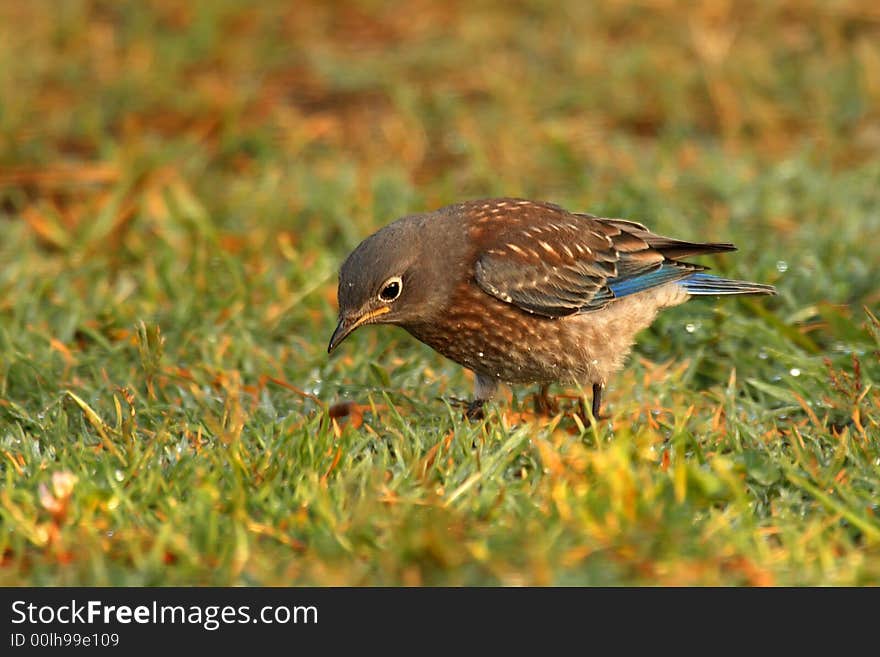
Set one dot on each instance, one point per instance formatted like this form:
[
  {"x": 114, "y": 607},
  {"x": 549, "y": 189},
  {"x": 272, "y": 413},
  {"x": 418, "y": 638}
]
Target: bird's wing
[{"x": 555, "y": 263}]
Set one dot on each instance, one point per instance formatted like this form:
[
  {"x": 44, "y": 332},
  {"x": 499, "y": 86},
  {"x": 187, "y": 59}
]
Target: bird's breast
[{"x": 500, "y": 340}]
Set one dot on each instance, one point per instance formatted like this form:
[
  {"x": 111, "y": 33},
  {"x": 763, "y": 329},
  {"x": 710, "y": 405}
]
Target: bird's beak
[{"x": 347, "y": 325}]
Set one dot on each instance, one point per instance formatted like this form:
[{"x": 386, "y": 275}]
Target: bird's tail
[{"x": 701, "y": 283}]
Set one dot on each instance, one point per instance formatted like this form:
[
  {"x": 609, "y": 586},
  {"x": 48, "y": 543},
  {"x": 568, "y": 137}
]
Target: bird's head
[{"x": 395, "y": 276}]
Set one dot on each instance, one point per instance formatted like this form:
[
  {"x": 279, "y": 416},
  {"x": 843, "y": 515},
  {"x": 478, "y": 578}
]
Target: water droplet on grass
[
  {"x": 781, "y": 266},
  {"x": 794, "y": 371},
  {"x": 762, "y": 355},
  {"x": 690, "y": 328},
  {"x": 119, "y": 475}
]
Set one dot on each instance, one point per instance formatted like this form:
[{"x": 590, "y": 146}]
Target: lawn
[{"x": 179, "y": 183}]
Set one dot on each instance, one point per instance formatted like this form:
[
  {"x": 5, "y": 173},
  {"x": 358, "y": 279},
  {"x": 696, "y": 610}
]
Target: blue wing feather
[{"x": 665, "y": 273}]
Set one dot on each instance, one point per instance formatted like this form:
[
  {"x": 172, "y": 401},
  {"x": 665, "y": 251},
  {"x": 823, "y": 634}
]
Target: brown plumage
[{"x": 523, "y": 292}]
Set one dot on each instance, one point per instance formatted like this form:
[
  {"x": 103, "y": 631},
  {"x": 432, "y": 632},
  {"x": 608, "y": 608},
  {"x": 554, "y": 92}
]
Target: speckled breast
[{"x": 499, "y": 340}]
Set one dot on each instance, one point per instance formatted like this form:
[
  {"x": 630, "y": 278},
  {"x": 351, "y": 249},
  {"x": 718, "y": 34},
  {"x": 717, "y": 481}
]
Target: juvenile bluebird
[{"x": 522, "y": 291}]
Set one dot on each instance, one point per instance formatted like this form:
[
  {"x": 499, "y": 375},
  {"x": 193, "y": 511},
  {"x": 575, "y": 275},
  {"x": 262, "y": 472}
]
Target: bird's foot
[
  {"x": 544, "y": 403},
  {"x": 584, "y": 415},
  {"x": 474, "y": 411}
]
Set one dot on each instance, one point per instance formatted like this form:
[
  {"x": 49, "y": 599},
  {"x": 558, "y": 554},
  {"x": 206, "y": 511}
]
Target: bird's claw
[{"x": 474, "y": 411}]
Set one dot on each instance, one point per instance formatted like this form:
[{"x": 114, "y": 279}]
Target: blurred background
[{"x": 179, "y": 183}]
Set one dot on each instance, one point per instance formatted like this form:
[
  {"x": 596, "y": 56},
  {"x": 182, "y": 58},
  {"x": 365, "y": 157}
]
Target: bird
[{"x": 522, "y": 291}]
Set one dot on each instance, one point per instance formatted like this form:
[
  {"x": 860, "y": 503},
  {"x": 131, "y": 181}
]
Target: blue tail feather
[
  {"x": 690, "y": 277},
  {"x": 701, "y": 283}
]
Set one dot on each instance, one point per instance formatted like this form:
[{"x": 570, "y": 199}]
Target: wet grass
[{"x": 178, "y": 185}]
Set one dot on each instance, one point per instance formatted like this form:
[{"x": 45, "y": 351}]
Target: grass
[{"x": 178, "y": 185}]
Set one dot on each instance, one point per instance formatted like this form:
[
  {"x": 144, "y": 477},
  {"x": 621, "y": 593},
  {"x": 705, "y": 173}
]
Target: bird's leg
[
  {"x": 484, "y": 390},
  {"x": 597, "y": 398},
  {"x": 544, "y": 404},
  {"x": 596, "y": 406}
]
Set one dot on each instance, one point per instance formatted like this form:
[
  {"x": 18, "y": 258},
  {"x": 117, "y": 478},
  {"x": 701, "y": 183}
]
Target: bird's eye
[{"x": 392, "y": 289}]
